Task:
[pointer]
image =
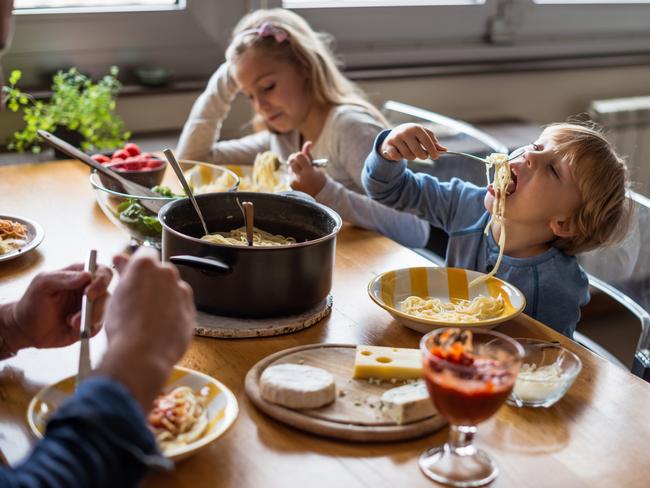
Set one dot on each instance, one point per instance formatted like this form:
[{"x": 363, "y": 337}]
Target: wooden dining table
[{"x": 597, "y": 435}]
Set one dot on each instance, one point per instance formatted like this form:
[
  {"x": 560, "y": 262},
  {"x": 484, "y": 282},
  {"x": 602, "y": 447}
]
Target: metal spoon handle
[
  {"x": 188, "y": 191},
  {"x": 249, "y": 220}
]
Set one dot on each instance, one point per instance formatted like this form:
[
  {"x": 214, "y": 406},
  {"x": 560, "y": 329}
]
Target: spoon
[
  {"x": 188, "y": 191},
  {"x": 153, "y": 204}
]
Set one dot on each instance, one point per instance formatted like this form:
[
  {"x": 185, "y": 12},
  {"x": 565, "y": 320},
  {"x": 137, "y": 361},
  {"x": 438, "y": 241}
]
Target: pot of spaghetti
[{"x": 287, "y": 270}]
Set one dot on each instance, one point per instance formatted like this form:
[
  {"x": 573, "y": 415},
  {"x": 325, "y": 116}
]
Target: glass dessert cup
[{"x": 469, "y": 375}]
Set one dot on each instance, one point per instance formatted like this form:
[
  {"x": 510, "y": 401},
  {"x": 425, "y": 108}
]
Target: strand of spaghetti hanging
[{"x": 502, "y": 178}]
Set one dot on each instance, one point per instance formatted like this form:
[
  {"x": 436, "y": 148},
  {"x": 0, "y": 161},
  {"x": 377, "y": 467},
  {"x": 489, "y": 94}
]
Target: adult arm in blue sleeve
[{"x": 97, "y": 439}]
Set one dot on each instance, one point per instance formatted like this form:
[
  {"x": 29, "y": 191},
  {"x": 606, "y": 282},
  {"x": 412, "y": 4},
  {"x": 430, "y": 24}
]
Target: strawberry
[
  {"x": 101, "y": 158},
  {"x": 121, "y": 154},
  {"x": 132, "y": 148}
]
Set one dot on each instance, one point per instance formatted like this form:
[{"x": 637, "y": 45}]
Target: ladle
[{"x": 188, "y": 191}]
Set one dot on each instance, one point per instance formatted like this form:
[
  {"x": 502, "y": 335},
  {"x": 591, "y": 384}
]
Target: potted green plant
[{"x": 77, "y": 106}]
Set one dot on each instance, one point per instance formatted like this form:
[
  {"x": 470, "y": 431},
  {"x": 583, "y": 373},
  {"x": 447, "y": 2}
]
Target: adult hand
[
  {"x": 149, "y": 324},
  {"x": 411, "y": 141},
  {"x": 304, "y": 176},
  {"x": 49, "y": 313}
]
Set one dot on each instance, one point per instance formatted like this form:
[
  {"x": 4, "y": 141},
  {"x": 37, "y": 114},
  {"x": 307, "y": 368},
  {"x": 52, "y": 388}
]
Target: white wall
[{"x": 539, "y": 97}]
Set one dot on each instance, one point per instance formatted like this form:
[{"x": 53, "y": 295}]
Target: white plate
[
  {"x": 206, "y": 175},
  {"x": 35, "y": 235},
  {"x": 222, "y": 406},
  {"x": 389, "y": 289}
]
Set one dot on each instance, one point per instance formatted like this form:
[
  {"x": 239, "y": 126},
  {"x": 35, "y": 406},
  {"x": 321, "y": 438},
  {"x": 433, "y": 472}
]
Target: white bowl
[
  {"x": 221, "y": 403},
  {"x": 201, "y": 176},
  {"x": 389, "y": 289}
]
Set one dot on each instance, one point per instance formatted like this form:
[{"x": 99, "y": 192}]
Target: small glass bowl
[
  {"x": 141, "y": 224},
  {"x": 547, "y": 372}
]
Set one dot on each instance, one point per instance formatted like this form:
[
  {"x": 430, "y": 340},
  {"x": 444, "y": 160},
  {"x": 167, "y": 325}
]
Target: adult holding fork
[{"x": 99, "y": 438}]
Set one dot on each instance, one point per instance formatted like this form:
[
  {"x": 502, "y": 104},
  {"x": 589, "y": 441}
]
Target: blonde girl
[{"x": 310, "y": 110}]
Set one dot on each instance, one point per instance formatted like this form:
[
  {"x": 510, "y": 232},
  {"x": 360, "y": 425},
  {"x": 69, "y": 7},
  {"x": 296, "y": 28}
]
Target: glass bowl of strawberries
[{"x": 133, "y": 164}]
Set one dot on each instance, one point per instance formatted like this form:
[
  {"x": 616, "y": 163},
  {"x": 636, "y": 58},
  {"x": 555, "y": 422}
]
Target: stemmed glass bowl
[{"x": 469, "y": 374}]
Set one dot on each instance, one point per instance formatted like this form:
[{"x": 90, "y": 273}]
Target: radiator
[{"x": 627, "y": 123}]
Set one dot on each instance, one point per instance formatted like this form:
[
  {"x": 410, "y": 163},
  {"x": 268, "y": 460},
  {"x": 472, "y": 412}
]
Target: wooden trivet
[{"x": 240, "y": 328}]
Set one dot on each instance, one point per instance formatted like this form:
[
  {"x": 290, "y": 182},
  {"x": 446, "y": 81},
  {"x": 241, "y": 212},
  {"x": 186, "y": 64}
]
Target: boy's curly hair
[{"x": 601, "y": 175}]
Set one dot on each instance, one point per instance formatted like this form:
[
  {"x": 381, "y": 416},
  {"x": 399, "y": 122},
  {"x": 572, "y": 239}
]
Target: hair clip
[{"x": 268, "y": 30}]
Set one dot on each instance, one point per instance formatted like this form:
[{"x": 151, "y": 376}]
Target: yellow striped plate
[
  {"x": 389, "y": 289},
  {"x": 222, "y": 406}
]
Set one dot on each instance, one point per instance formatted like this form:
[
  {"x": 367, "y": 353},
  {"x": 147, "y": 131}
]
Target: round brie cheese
[{"x": 297, "y": 386}]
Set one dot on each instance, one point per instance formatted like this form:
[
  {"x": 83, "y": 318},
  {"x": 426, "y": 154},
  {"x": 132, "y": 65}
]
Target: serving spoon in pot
[
  {"x": 169, "y": 154},
  {"x": 248, "y": 214}
]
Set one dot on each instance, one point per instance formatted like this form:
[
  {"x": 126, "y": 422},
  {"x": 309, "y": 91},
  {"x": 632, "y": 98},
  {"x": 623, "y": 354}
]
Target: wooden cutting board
[{"x": 354, "y": 415}]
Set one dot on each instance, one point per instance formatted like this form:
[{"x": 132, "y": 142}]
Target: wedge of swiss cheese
[{"x": 387, "y": 363}]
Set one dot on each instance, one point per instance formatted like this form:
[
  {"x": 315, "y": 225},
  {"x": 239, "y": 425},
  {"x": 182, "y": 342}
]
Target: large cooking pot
[{"x": 242, "y": 281}]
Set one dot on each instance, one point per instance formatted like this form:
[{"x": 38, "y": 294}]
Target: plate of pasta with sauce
[
  {"x": 192, "y": 411},
  {"x": 424, "y": 298},
  {"x": 18, "y": 236},
  {"x": 267, "y": 175}
]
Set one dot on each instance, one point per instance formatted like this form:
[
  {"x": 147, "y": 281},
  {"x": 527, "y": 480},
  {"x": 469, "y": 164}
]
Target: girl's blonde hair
[
  {"x": 310, "y": 50},
  {"x": 601, "y": 175}
]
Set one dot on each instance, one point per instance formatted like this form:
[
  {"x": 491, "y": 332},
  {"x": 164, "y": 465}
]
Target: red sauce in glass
[{"x": 470, "y": 394}]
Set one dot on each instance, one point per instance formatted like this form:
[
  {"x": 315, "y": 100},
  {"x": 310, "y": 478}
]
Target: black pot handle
[{"x": 202, "y": 264}]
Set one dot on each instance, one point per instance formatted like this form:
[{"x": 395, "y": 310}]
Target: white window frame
[
  {"x": 497, "y": 31},
  {"x": 189, "y": 42}
]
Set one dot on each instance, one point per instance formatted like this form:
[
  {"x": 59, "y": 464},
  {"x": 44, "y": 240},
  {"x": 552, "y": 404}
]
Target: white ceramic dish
[
  {"x": 35, "y": 235},
  {"x": 221, "y": 402},
  {"x": 208, "y": 174},
  {"x": 389, "y": 289}
]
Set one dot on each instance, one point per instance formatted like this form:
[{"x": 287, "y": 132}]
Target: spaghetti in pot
[
  {"x": 460, "y": 311},
  {"x": 178, "y": 418},
  {"x": 237, "y": 237}
]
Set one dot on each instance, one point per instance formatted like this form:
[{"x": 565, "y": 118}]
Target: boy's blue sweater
[{"x": 554, "y": 285}]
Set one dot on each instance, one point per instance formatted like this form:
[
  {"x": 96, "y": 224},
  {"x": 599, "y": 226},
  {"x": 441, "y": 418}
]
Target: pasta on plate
[
  {"x": 178, "y": 418},
  {"x": 460, "y": 311},
  {"x": 13, "y": 235},
  {"x": 267, "y": 176}
]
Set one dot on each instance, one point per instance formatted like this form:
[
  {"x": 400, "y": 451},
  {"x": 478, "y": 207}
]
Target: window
[
  {"x": 371, "y": 3},
  {"x": 187, "y": 38},
  {"x": 384, "y": 33},
  {"x": 56, "y": 4}
]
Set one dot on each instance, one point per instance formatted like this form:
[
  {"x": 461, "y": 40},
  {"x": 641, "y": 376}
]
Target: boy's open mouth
[{"x": 512, "y": 186}]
